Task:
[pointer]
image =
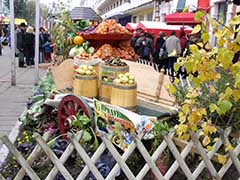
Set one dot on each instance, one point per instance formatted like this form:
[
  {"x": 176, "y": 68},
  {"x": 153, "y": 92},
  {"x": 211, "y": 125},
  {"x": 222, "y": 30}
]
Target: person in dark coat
[
  {"x": 160, "y": 43},
  {"x": 29, "y": 43},
  {"x": 20, "y": 44}
]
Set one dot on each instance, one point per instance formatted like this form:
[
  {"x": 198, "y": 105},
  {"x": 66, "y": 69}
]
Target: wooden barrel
[
  {"x": 94, "y": 63},
  {"x": 124, "y": 96},
  {"x": 108, "y": 74},
  {"x": 84, "y": 85},
  {"x": 111, "y": 72},
  {"x": 105, "y": 91}
]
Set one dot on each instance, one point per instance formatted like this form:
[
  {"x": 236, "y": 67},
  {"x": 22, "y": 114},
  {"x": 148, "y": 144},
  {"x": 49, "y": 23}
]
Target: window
[
  {"x": 149, "y": 17},
  {"x": 117, "y": 3},
  {"x": 141, "y": 18},
  {"x": 222, "y": 9},
  {"x": 181, "y": 5},
  {"x": 121, "y": 2},
  {"x": 134, "y": 19}
]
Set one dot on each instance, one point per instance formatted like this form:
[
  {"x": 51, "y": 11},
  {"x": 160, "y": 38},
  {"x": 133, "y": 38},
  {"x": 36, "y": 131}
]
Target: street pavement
[{"x": 13, "y": 98}]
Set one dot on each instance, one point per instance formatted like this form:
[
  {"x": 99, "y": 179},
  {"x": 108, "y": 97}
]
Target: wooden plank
[
  {"x": 64, "y": 157},
  {"x": 178, "y": 157},
  {"x": 53, "y": 157},
  {"x": 86, "y": 159},
  {"x": 94, "y": 159},
  {"x": 32, "y": 157},
  {"x": 203, "y": 154},
  {"x": 210, "y": 154},
  {"x": 20, "y": 159},
  {"x": 175, "y": 165},
  {"x": 148, "y": 158},
  {"x": 118, "y": 158}
]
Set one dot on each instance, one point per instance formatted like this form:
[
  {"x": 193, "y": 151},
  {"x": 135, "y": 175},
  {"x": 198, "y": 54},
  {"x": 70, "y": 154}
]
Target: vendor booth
[{"x": 131, "y": 26}]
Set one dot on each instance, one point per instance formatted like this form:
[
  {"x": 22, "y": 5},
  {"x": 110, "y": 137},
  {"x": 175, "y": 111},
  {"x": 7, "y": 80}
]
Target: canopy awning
[
  {"x": 17, "y": 21},
  {"x": 186, "y": 18},
  {"x": 131, "y": 26},
  {"x": 204, "y": 5}
]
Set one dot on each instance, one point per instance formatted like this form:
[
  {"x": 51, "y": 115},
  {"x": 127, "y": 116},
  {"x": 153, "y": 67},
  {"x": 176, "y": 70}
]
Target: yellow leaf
[
  {"x": 176, "y": 81},
  {"x": 236, "y": 95},
  {"x": 182, "y": 117},
  {"x": 222, "y": 159},
  {"x": 203, "y": 111},
  {"x": 212, "y": 89},
  {"x": 185, "y": 109},
  {"x": 209, "y": 148},
  {"x": 174, "y": 53},
  {"x": 206, "y": 141},
  {"x": 172, "y": 89},
  {"x": 186, "y": 9},
  {"x": 193, "y": 48},
  {"x": 228, "y": 148},
  {"x": 212, "y": 129},
  {"x": 196, "y": 29}
]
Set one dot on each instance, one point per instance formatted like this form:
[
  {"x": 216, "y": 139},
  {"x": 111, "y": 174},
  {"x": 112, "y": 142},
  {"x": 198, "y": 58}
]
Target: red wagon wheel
[{"x": 68, "y": 108}]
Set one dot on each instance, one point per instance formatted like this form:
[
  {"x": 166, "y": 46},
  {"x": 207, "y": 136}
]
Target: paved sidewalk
[{"x": 13, "y": 98}]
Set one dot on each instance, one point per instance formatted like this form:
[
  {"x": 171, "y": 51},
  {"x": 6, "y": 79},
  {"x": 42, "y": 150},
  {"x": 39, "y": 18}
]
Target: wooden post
[
  {"x": 36, "y": 59},
  {"x": 160, "y": 84},
  {"x": 12, "y": 34}
]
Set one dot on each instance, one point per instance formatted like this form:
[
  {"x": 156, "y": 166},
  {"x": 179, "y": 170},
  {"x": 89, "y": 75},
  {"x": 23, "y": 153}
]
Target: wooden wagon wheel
[{"x": 69, "y": 107}]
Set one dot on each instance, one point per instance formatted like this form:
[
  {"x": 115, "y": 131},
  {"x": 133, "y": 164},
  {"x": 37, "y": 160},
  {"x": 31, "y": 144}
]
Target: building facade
[{"x": 126, "y": 10}]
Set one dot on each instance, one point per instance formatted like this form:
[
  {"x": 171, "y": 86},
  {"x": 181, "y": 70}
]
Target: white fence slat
[
  {"x": 32, "y": 157},
  {"x": 1, "y": 177},
  {"x": 86, "y": 159},
  {"x": 148, "y": 159},
  {"x": 203, "y": 154},
  {"x": 125, "y": 156},
  {"x": 178, "y": 157},
  {"x": 118, "y": 158},
  {"x": 64, "y": 157},
  {"x": 210, "y": 154},
  {"x": 175, "y": 165},
  {"x": 155, "y": 156},
  {"x": 30, "y": 172},
  {"x": 233, "y": 155},
  {"x": 53, "y": 157},
  {"x": 94, "y": 159},
  {"x": 226, "y": 166}
]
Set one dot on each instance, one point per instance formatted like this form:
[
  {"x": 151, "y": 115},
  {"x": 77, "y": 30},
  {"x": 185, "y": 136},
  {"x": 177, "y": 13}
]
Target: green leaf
[
  {"x": 205, "y": 37},
  {"x": 198, "y": 16},
  {"x": 223, "y": 107},
  {"x": 196, "y": 29},
  {"x": 176, "y": 66},
  {"x": 86, "y": 136},
  {"x": 212, "y": 107}
]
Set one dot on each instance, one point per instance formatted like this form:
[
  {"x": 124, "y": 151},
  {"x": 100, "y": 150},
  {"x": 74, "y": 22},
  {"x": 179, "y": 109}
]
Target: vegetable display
[
  {"x": 126, "y": 79},
  {"x": 86, "y": 70},
  {"x": 107, "y": 51},
  {"x": 115, "y": 62},
  {"x": 111, "y": 27}
]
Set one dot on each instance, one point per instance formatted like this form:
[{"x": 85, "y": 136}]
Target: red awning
[
  {"x": 186, "y": 18},
  {"x": 203, "y": 4}
]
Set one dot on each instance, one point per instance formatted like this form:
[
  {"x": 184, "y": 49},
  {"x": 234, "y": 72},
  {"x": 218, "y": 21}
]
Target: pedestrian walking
[
  {"x": 160, "y": 54},
  {"x": 29, "y": 42},
  {"x": 20, "y": 44},
  {"x": 42, "y": 41},
  {"x": 47, "y": 51},
  {"x": 174, "y": 50}
]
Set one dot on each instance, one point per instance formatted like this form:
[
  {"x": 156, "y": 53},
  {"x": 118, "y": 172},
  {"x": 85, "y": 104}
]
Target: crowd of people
[
  {"x": 166, "y": 50},
  {"x": 25, "y": 45}
]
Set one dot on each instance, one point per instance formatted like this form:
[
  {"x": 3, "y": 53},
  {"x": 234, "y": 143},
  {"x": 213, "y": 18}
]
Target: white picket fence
[{"x": 168, "y": 142}]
